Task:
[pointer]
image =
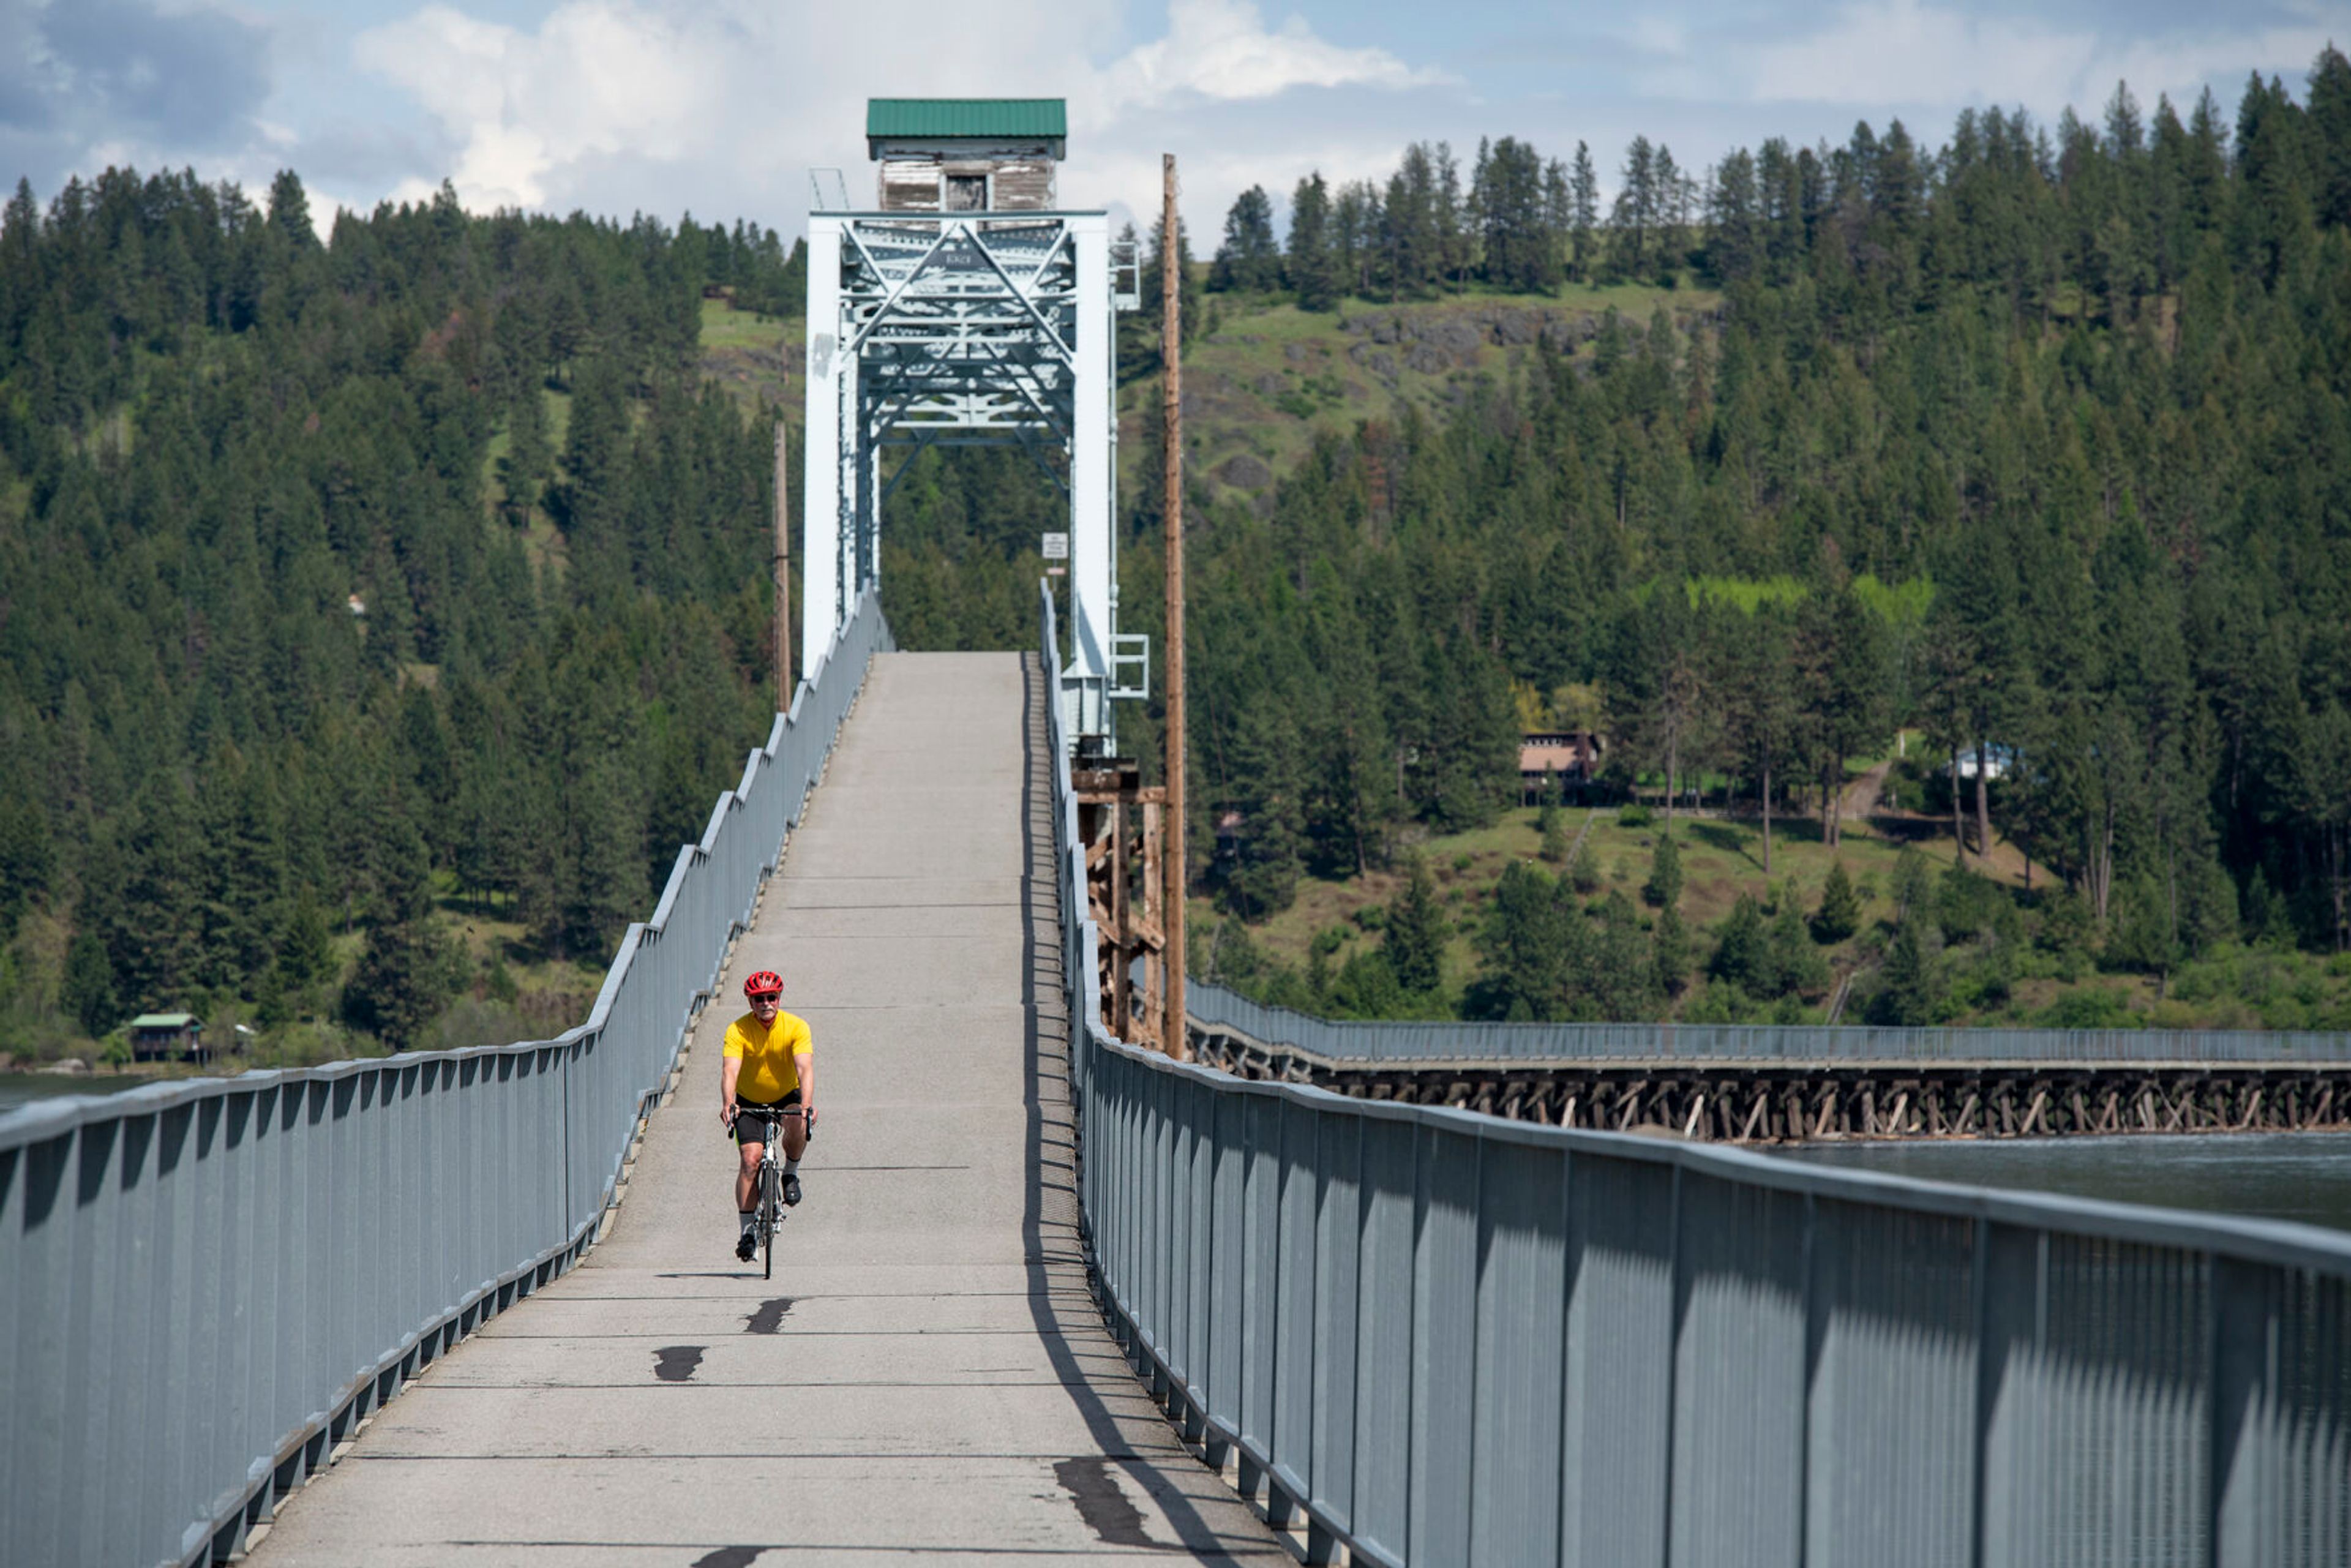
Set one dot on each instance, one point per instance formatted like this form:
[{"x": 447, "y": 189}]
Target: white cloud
[
  {"x": 1221, "y": 49},
  {"x": 724, "y": 103},
  {"x": 597, "y": 78},
  {"x": 1914, "y": 53}
]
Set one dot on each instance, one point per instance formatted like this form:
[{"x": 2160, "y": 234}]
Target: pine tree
[
  {"x": 1528, "y": 946},
  {"x": 608, "y": 887},
  {"x": 1910, "y": 990},
  {"x": 2329, "y": 108},
  {"x": 1742, "y": 955},
  {"x": 1508, "y": 196},
  {"x": 289, "y": 210},
  {"x": 1839, "y": 915},
  {"x": 305, "y": 957},
  {"x": 1758, "y": 706},
  {"x": 1663, "y": 888},
  {"x": 1189, "y": 294},
  {"x": 1260, "y": 874},
  {"x": 88, "y": 994},
  {"x": 1249, "y": 258},
  {"x": 1670, "y": 952},
  {"x": 1912, "y": 883},
  {"x": 1624, "y": 974},
  {"x": 1312, "y": 275},
  {"x": 1583, "y": 214},
  {"x": 1583, "y": 870},
  {"x": 1797, "y": 967},
  {"x": 1735, "y": 246},
  {"x": 531, "y": 456},
  {"x": 1636, "y": 215},
  {"x": 1412, "y": 259},
  {"x": 408, "y": 969},
  {"x": 1452, "y": 219},
  {"x": 1413, "y": 935},
  {"x": 27, "y": 861}
]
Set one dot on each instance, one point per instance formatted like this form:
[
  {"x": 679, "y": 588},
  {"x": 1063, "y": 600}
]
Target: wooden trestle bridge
[{"x": 1785, "y": 1101}]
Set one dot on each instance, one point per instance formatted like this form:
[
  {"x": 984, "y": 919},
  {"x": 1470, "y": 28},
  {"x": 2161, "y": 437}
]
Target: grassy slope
[
  {"x": 1264, "y": 376},
  {"x": 2236, "y": 988},
  {"x": 1721, "y": 860},
  {"x": 753, "y": 357}
]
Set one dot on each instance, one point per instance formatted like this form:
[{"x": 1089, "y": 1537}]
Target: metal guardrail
[
  {"x": 1217, "y": 1007},
  {"x": 205, "y": 1284},
  {"x": 1445, "y": 1338}
]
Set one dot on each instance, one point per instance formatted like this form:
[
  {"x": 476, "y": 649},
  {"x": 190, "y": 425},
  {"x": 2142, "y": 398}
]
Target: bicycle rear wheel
[{"x": 771, "y": 1208}]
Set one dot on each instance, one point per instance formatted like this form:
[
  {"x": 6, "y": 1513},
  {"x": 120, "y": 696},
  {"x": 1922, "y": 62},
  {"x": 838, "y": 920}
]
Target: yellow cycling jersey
[{"x": 766, "y": 1052}]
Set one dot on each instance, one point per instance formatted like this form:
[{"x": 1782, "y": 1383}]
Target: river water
[
  {"x": 2301, "y": 1176},
  {"x": 18, "y": 1087}
]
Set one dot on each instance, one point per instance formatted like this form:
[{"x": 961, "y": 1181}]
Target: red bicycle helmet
[{"x": 766, "y": 983}]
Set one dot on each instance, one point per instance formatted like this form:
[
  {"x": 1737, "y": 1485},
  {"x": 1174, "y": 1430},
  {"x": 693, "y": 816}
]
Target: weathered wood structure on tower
[{"x": 939, "y": 155}]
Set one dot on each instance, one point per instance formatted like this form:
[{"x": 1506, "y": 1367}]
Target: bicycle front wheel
[{"x": 772, "y": 1209}]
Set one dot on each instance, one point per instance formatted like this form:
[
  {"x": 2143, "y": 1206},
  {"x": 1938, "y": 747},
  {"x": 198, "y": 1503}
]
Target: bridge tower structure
[{"x": 966, "y": 308}]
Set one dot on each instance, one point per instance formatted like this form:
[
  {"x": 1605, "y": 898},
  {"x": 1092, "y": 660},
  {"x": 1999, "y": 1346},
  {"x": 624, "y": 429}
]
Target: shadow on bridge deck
[{"x": 926, "y": 1377}]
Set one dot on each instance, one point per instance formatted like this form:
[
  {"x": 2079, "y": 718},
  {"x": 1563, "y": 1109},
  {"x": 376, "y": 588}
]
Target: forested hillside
[
  {"x": 376, "y": 616},
  {"x": 354, "y": 593},
  {"x": 2036, "y": 442}
]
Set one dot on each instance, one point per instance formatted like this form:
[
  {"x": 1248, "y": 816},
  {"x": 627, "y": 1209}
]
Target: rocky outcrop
[
  {"x": 1435, "y": 341},
  {"x": 1245, "y": 471}
]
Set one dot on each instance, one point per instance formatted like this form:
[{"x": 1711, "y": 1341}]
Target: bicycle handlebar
[{"x": 766, "y": 1115}]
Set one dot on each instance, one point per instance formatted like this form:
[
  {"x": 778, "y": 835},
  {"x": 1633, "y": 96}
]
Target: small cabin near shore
[
  {"x": 1557, "y": 758},
  {"x": 965, "y": 154},
  {"x": 167, "y": 1037}
]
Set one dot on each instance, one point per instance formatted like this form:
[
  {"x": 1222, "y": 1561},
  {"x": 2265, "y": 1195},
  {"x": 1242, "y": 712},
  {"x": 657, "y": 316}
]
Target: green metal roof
[
  {"x": 926, "y": 116},
  {"x": 162, "y": 1021}
]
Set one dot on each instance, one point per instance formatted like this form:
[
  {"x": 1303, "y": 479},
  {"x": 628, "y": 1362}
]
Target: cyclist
[{"x": 766, "y": 1069}]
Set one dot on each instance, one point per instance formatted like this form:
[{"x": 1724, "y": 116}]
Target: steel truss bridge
[{"x": 981, "y": 329}]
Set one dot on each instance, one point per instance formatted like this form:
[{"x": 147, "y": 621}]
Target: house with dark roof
[
  {"x": 1555, "y": 758},
  {"x": 167, "y": 1037}
]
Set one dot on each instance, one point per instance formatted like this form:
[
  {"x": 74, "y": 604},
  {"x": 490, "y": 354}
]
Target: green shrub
[
  {"x": 2093, "y": 1006},
  {"x": 1554, "y": 829},
  {"x": 1717, "y": 1001},
  {"x": 1663, "y": 888}
]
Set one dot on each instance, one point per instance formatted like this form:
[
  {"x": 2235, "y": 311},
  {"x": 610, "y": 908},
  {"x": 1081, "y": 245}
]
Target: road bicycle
[{"x": 771, "y": 1213}]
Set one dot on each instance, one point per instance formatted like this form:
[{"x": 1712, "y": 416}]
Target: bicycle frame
[{"x": 770, "y": 1183}]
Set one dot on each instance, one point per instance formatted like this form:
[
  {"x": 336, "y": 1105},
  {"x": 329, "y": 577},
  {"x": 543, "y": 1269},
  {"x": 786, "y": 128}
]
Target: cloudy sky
[{"x": 723, "y": 106}]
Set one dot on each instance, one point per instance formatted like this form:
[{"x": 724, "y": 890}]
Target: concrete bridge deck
[{"x": 926, "y": 1377}]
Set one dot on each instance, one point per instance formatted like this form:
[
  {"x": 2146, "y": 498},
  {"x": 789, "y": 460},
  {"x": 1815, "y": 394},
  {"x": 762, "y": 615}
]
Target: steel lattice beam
[{"x": 986, "y": 329}]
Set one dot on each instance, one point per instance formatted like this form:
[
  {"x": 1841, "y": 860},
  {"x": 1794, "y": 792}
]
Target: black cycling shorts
[{"x": 750, "y": 1129}]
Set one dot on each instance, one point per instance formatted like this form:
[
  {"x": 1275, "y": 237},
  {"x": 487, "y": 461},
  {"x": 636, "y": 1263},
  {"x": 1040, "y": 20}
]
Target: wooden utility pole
[
  {"x": 1171, "y": 357},
  {"x": 783, "y": 563}
]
